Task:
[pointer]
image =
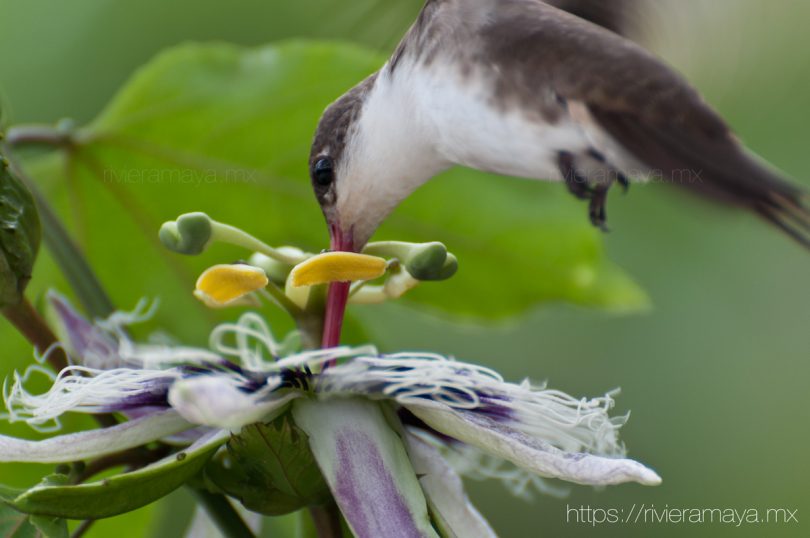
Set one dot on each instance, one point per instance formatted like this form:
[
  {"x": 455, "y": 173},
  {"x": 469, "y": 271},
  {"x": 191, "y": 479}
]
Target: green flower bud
[
  {"x": 189, "y": 234},
  {"x": 20, "y": 234},
  {"x": 449, "y": 268},
  {"x": 424, "y": 261}
]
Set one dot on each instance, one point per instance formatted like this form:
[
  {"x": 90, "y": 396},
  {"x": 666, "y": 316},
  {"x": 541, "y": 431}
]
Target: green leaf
[
  {"x": 14, "y": 524},
  {"x": 19, "y": 236},
  {"x": 517, "y": 243},
  {"x": 270, "y": 469},
  {"x": 51, "y": 527},
  {"x": 115, "y": 495},
  {"x": 226, "y": 130}
]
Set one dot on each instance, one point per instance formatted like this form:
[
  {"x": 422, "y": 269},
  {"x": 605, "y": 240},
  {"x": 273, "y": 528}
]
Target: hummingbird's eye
[{"x": 323, "y": 172}]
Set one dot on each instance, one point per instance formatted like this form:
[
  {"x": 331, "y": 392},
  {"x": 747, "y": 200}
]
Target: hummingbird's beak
[{"x": 338, "y": 294}]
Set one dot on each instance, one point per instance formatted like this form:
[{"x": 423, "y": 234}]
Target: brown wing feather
[
  {"x": 718, "y": 168},
  {"x": 642, "y": 103},
  {"x": 620, "y": 16}
]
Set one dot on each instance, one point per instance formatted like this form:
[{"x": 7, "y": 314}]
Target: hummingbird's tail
[
  {"x": 753, "y": 185},
  {"x": 743, "y": 179},
  {"x": 791, "y": 214},
  {"x": 715, "y": 165}
]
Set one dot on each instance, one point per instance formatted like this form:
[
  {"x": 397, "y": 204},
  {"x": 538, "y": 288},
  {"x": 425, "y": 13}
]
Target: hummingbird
[{"x": 524, "y": 89}]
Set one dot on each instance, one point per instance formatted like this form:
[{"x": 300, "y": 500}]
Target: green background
[{"x": 716, "y": 374}]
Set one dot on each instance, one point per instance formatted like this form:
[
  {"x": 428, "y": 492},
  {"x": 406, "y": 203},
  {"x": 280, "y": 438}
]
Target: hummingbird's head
[{"x": 367, "y": 156}]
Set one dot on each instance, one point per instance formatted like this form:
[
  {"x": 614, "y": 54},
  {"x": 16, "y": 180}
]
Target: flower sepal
[
  {"x": 366, "y": 466},
  {"x": 56, "y": 497}
]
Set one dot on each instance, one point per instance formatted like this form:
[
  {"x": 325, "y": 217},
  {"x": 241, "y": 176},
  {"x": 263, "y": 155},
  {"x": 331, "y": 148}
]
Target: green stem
[
  {"x": 72, "y": 262},
  {"x": 311, "y": 327},
  {"x": 311, "y": 320},
  {"x": 230, "y": 234},
  {"x": 277, "y": 294},
  {"x": 223, "y": 514}
]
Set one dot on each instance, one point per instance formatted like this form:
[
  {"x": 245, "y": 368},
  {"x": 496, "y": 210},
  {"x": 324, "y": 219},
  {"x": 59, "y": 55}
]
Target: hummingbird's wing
[
  {"x": 620, "y": 16},
  {"x": 639, "y": 109}
]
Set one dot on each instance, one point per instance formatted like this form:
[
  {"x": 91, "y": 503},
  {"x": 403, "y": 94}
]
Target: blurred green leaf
[
  {"x": 518, "y": 243},
  {"x": 270, "y": 469},
  {"x": 50, "y": 527},
  {"x": 226, "y": 130},
  {"x": 114, "y": 495},
  {"x": 14, "y": 524},
  {"x": 19, "y": 236}
]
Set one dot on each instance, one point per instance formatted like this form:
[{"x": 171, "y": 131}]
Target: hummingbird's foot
[
  {"x": 594, "y": 192},
  {"x": 577, "y": 183},
  {"x": 623, "y": 181},
  {"x": 597, "y": 207}
]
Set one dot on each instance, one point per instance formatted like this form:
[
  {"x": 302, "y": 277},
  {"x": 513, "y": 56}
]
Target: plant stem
[
  {"x": 72, "y": 262},
  {"x": 134, "y": 458},
  {"x": 223, "y": 514},
  {"x": 327, "y": 520},
  {"x": 311, "y": 325},
  {"x": 44, "y": 135},
  {"x": 337, "y": 298},
  {"x": 82, "y": 529},
  {"x": 277, "y": 294},
  {"x": 31, "y": 325},
  {"x": 230, "y": 234}
]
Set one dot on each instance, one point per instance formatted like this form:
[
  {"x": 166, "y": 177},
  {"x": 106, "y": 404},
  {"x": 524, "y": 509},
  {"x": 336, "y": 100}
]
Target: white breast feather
[{"x": 473, "y": 132}]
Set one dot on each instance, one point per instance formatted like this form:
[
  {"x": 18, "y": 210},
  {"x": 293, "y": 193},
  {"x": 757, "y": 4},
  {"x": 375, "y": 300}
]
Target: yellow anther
[
  {"x": 222, "y": 285},
  {"x": 337, "y": 267}
]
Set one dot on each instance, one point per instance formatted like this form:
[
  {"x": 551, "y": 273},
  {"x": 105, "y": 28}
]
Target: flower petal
[
  {"x": 89, "y": 344},
  {"x": 570, "y": 424},
  {"x": 449, "y": 505},
  {"x": 106, "y": 344},
  {"x": 337, "y": 267},
  {"x": 218, "y": 401},
  {"x": 222, "y": 285},
  {"x": 93, "y": 443},
  {"x": 366, "y": 467},
  {"x": 531, "y": 453},
  {"x": 85, "y": 390}
]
